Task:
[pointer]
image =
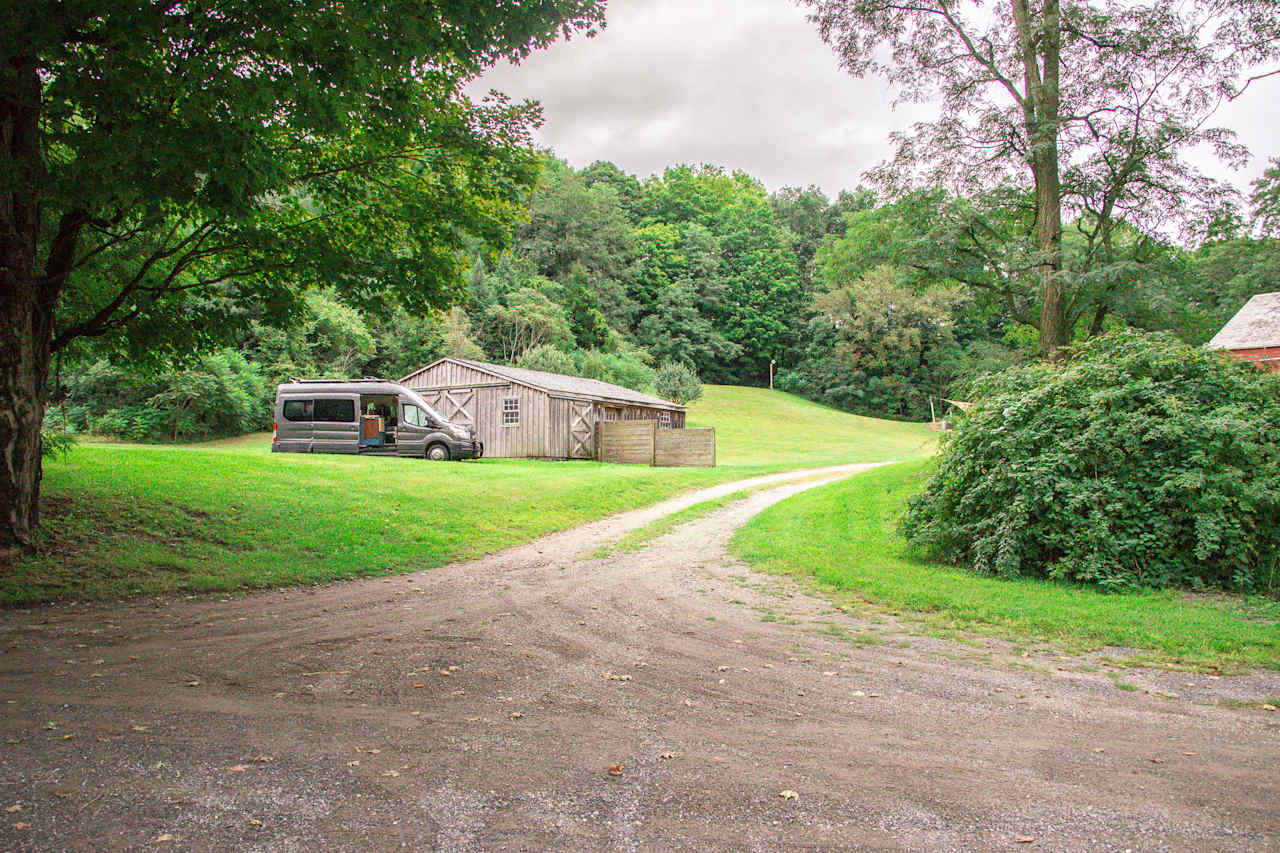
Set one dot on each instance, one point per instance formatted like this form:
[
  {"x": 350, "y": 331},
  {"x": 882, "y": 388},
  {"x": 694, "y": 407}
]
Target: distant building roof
[
  {"x": 558, "y": 383},
  {"x": 1256, "y": 325}
]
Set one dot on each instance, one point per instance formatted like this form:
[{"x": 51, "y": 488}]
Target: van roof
[{"x": 340, "y": 386}]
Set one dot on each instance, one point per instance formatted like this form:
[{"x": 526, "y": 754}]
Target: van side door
[
  {"x": 293, "y": 425},
  {"x": 334, "y": 425},
  {"x": 412, "y": 429}
]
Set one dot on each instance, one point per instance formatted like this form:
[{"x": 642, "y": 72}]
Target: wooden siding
[
  {"x": 560, "y": 426},
  {"x": 528, "y": 438},
  {"x": 1268, "y": 358},
  {"x": 447, "y": 374},
  {"x": 685, "y": 447}
]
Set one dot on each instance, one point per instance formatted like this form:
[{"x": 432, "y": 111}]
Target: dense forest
[{"x": 867, "y": 303}]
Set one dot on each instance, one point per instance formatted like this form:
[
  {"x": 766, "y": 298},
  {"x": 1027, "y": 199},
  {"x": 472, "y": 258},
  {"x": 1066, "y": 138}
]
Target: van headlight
[{"x": 459, "y": 432}]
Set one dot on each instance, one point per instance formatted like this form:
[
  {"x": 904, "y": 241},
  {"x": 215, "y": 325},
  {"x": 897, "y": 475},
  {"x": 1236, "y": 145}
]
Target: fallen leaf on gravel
[
  {"x": 253, "y": 821},
  {"x": 857, "y": 693},
  {"x": 22, "y": 825},
  {"x": 828, "y": 673},
  {"x": 278, "y": 695},
  {"x": 515, "y": 715},
  {"x": 1268, "y": 707},
  {"x": 454, "y": 668},
  {"x": 14, "y": 809},
  {"x": 1026, "y": 839},
  {"x": 612, "y": 677},
  {"x": 667, "y": 756},
  {"x": 263, "y": 759},
  {"x": 239, "y": 768},
  {"x": 874, "y": 695},
  {"x": 1190, "y": 753},
  {"x": 788, "y": 795},
  {"x": 162, "y": 839},
  {"x": 722, "y": 669},
  {"x": 193, "y": 684},
  {"x": 1156, "y": 760},
  {"x": 417, "y": 684},
  {"x": 1098, "y": 749},
  {"x": 616, "y": 769},
  {"x": 446, "y": 673},
  {"x": 369, "y": 749},
  {"x": 140, "y": 728},
  {"x": 768, "y": 666},
  {"x": 390, "y": 773},
  {"x": 415, "y": 713},
  {"x": 459, "y": 693},
  {"x": 353, "y": 763},
  {"x": 50, "y": 726}
]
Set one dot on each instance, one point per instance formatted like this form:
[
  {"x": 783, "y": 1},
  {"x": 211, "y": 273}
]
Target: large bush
[{"x": 1141, "y": 462}]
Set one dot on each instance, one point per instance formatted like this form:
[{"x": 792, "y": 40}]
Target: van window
[
  {"x": 415, "y": 416},
  {"x": 297, "y": 410},
  {"x": 335, "y": 411}
]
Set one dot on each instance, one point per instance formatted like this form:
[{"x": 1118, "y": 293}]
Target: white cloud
[{"x": 747, "y": 84}]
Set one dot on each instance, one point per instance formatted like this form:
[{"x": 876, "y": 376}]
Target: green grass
[
  {"x": 130, "y": 519},
  {"x": 756, "y": 426},
  {"x": 844, "y": 537}
]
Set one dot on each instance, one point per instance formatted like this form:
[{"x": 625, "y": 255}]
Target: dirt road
[{"x": 482, "y": 706}]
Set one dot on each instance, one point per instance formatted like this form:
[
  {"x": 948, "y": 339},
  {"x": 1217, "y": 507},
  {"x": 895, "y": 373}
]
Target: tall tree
[
  {"x": 157, "y": 154},
  {"x": 1089, "y": 105}
]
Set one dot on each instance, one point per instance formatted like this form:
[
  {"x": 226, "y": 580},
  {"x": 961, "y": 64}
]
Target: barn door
[
  {"x": 457, "y": 406},
  {"x": 582, "y": 431}
]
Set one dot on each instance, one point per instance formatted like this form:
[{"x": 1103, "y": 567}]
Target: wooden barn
[
  {"x": 529, "y": 413},
  {"x": 1253, "y": 334}
]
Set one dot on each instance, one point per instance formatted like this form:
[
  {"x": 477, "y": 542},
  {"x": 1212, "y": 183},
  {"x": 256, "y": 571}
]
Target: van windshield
[{"x": 408, "y": 396}]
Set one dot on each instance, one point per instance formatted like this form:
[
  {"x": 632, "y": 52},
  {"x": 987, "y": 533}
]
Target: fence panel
[
  {"x": 685, "y": 447},
  {"x": 626, "y": 441},
  {"x": 643, "y": 443}
]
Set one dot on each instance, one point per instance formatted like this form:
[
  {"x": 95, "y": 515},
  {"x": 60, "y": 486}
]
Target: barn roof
[
  {"x": 559, "y": 383},
  {"x": 1256, "y": 325}
]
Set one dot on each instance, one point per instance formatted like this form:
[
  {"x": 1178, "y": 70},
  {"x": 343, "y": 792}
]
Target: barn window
[
  {"x": 664, "y": 420},
  {"x": 510, "y": 412}
]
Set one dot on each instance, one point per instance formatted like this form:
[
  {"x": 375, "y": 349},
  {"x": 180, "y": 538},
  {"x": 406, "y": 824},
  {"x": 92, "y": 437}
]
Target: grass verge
[{"x": 844, "y": 536}]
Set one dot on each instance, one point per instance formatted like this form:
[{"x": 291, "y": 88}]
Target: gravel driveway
[{"x": 665, "y": 699}]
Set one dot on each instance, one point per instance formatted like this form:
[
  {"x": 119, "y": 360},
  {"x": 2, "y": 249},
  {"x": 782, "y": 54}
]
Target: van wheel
[{"x": 438, "y": 453}]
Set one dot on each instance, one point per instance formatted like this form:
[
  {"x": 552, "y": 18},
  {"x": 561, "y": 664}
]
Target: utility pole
[{"x": 772, "y": 362}]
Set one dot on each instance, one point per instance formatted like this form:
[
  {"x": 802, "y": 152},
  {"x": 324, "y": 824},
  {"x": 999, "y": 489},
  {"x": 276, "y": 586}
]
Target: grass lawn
[
  {"x": 844, "y": 536},
  {"x": 129, "y": 519}
]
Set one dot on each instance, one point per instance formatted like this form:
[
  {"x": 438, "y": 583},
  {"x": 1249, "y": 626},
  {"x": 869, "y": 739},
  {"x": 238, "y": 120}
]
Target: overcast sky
[{"x": 747, "y": 84}]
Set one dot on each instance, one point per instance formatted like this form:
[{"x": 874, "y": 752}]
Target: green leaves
[{"x": 1141, "y": 463}]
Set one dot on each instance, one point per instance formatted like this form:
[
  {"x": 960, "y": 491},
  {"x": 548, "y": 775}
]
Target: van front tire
[{"x": 438, "y": 453}]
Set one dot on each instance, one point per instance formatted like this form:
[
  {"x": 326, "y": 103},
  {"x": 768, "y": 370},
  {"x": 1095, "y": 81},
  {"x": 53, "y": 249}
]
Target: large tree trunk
[
  {"x": 26, "y": 306},
  {"x": 1040, "y": 47},
  {"x": 24, "y": 366}
]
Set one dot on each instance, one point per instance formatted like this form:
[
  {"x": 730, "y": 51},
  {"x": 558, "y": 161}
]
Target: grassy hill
[
  {"x": 756, "y": 426},
  {"x": 130, "y": 519}
]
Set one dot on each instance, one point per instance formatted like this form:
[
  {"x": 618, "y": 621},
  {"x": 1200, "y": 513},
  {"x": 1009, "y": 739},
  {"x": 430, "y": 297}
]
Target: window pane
[
  {"x": 336, "y": 411},
  {"x": 510, "y": 412},
  {"x": 297, "y": 410}
]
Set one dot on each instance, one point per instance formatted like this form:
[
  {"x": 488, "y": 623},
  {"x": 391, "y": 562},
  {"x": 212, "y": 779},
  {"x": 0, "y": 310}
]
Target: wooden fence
[{"x": 644, "y": 443}]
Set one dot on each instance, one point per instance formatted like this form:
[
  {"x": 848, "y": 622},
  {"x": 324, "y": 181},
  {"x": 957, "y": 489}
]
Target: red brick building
[{"x": 1254, "y": 333}]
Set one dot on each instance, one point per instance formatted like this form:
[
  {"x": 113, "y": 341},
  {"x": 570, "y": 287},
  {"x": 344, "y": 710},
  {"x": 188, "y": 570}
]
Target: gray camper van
[{"x": 371, "y": 416}]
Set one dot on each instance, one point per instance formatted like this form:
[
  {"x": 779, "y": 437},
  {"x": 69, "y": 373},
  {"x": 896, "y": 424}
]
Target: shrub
[
  {"x": 1141, "y": 462},
  {"x": 678, "y": 383}
]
